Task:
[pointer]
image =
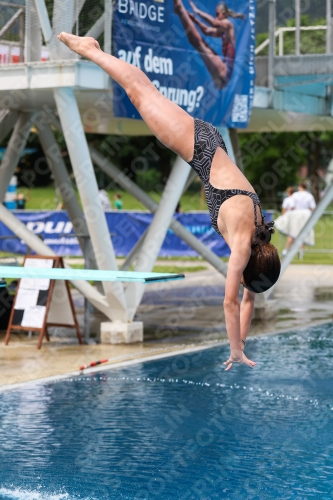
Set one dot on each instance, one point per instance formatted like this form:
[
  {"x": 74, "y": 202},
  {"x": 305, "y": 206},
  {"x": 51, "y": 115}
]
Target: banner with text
[
  {"x": 126, "y": 228},
  {"x": 199, "y": 55}
]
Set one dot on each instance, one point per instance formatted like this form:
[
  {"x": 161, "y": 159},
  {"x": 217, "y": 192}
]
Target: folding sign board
[{"x": 40, "y": 301}]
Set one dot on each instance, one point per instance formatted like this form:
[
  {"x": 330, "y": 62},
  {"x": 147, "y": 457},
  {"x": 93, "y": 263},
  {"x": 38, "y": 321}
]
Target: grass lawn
[{"x": 46, "y": 199}]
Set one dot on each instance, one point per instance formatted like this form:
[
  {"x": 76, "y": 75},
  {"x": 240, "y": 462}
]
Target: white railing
[{"x": 279, "y": 33}]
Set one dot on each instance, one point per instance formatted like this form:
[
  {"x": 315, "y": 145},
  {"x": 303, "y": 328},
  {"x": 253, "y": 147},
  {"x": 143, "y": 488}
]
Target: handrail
[{"x": 282, "y": 30}]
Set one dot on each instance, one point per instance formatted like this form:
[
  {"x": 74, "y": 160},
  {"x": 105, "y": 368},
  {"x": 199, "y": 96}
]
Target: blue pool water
[{"x": 178, "y": 429}]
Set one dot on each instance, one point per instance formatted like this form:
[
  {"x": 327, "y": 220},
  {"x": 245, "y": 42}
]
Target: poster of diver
[{"x": 199, "y": 55}]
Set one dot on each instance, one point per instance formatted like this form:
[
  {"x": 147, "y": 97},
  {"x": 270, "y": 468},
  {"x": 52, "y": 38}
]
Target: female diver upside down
[{"x": 233, "y": 204}]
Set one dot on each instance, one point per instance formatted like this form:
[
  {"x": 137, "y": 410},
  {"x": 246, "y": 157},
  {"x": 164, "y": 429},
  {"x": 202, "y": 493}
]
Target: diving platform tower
[{"x": 50, "y": 88}]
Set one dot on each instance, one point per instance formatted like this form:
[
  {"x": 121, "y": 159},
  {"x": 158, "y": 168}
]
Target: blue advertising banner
[
  {"x": 126, "y": 227},
  {"x": 199, "y": 55}
]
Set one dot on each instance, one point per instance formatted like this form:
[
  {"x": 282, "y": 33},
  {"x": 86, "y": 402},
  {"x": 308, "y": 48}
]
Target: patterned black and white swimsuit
[{"x": 206, "y": 141}]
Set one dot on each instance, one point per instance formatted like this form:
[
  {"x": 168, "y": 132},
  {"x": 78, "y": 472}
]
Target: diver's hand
[{"x": 238, "y": 356}]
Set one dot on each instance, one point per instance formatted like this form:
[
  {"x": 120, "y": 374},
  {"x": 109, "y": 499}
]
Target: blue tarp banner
[
  {"x": 200, "y": 58},
  {"x": 126, "y": 228}
]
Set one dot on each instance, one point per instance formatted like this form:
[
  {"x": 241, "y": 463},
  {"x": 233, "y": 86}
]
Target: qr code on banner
[{"x": 240, "y": 108}]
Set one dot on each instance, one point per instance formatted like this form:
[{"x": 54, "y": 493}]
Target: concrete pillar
[
  {"x": 86, "y": 182},
  {"x": 157, "y": 230}
]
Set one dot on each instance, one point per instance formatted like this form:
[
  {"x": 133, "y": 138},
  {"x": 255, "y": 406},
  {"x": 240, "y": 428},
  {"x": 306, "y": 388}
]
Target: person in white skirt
[
  {"x": 296, "y": 210},
  {"x": 288, "y": 203}
]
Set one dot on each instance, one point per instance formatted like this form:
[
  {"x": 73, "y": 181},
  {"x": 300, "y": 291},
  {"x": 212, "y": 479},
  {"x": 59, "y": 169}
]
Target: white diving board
[{"x": 85, "y": 274}]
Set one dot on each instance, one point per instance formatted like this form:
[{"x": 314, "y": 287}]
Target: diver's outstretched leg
[
  {"x": 168, "y": 122},
  {"x": 216, "y": 67}
]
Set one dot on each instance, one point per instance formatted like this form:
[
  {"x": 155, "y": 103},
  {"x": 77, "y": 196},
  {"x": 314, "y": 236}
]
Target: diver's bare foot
[
  {"x": 178, "y": 6},
  {"x": 194, "y": 7},
  {"x": 82, "y": 45},
  {"x": 238, "y": 357}
]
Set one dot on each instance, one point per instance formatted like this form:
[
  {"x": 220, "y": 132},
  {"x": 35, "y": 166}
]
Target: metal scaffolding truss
[{"x": 117, "y": 303}]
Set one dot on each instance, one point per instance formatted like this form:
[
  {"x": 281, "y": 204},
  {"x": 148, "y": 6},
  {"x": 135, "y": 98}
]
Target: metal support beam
[
  {"x": 137, "y": 247},
  {"x": 35, "y": 243},
  {"x": 21, "y": 35},
  {"x": 33, "y": 34},
  {"x": 157, "y": 230},
  {"x": 298, "y": 27},
  {"x": 44, "y": 21},
  {"x": 236, "y": 148},
  {"x": 62, "y": 181},
  {"x": 10, "y": 23},
  {"x": 190, "y": 179},
  {"x": 224, "y": 131},
  {"x": 126, "y": 183},
  {"x": 13, "y": 152},
  {"x": 299, "y": 240},
  {"x": 63, "y": 20},
  {"x": 328, "y": 26},
  {"x": 271, "y": 48},
  {"x": 8, "y": 119},
  {"x": 131, "y": 257},
  {"x": 97, "y": 29},
  {"x": 67, "y": 193},
  {"x": 78, "y": 4},
  {"x": 108, "y": 9},
  {"x": 86, "y": 182}
]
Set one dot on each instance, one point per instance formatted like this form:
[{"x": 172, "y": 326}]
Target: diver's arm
[
  {"x": 246, "y": 313},
  {"x": 207, "y": 30},
  {"x": 204, "y": 15},
  {"x": 232, "y": 308}
]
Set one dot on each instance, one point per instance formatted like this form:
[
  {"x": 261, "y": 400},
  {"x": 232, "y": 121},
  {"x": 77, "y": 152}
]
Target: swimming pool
[{"x": 179, "y": 428}]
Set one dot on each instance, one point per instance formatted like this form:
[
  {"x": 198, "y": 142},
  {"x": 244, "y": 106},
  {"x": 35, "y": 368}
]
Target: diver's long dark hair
[
  {"x": 263, "y": 268},
  {"x": 229, "y": 12}
]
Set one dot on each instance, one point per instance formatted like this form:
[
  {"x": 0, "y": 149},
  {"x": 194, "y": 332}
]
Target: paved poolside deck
[{"x": 177, "y": 316}]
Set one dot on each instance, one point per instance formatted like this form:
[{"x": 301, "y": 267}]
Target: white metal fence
[{"x": 279, "y": 34}]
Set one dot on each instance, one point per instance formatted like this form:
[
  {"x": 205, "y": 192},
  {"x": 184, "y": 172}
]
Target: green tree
[
  {"x": 138, "y": 157},
  {"x": 272, "y": 161}
]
